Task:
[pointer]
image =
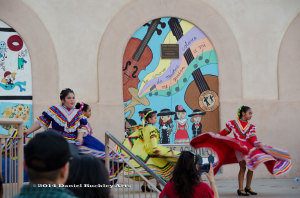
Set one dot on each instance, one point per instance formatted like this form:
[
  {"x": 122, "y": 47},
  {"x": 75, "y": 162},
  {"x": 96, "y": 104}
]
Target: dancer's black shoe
[
  {"x": 240, "y": 193},
  {"x": 145, "y": 188},
  {"x": 159, "y": 188},
  {"x": 250, "y": 191}
]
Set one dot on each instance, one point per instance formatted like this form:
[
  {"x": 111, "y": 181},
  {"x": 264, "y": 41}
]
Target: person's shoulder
[
  {"x": 202, "y": 185},
  {"x": 79, "y": 112},
  {"x": 169, "y": 186},
  {"x": 55, "y": 192},
  {"x": 59, "y": 192},
  {"x": 54, "y": 106},
  {"x": 231, "y": 122},
  {"x": 51, "y": 109},
  {"x": 56, "y": 109},
  {"x": 68, "y": 195},
  {"x": 150, "y": 127},
  {"x": 202, "y": 188},
  {"x": 170, "y": 183},
  {"x": 64, "y": 195}
]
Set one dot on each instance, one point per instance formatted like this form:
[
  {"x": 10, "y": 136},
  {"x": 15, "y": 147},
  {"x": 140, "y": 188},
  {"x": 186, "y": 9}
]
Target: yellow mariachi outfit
[{"x": 144, "y": 144}]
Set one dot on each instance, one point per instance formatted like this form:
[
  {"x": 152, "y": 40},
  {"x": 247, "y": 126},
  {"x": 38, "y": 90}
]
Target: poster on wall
[
  {"x": 171, "y": 66},
  {"x": 15, "y": 79}
]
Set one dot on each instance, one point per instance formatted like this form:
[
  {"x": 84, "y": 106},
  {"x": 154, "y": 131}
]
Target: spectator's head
[
  {"x": 186, "y": 173},
  {"x": 47, "y": 158},
  {"x": 89, "y": 170}
]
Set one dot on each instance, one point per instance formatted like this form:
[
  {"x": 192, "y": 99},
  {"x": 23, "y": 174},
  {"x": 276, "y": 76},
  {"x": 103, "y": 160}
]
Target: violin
[{"x": 137, "y": 57}]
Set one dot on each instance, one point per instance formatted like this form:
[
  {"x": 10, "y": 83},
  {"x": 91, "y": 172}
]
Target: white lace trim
[
  {"x": 64, "y": 111},
  {"x": 182, "y": 122},
  {"x": 241, "y": 127},
  {"x": 63, "y": 124},
  {"x": 41, "y": 124}
]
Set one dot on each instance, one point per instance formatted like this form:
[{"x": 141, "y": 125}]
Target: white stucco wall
[
  {"x": 76, "y": 28},
  {"x": 258, "y": 27},
  {"x": 86, "y": 41}
]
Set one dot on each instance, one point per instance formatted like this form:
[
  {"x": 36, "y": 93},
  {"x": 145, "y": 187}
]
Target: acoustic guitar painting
[
  {"x": 202, "y": 93},
  {"x": 137, "y": 57}
]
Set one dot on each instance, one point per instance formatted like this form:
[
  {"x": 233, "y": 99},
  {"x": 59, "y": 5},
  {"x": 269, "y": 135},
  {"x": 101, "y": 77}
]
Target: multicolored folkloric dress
[
  {"x": 68, "y": 122},
  {"x": 277, "y": 161},
  {"x": 242, "y": 130},
  {"x": 92, "y": 142},
  {"x": 144, "y": 143},
  {"x": 181, "y": 135}
]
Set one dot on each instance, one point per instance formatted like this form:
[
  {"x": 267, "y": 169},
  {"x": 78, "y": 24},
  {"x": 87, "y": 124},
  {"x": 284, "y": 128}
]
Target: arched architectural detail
[
  {"x": 41, "y": 49},
  {"x": 137, "y": 13},
  {"x": 289, "y": 63}
]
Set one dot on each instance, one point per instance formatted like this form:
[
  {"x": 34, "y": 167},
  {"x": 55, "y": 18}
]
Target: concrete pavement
[
  {"x": 277, "y": 188},
  {"x": 266, "y": 188}
]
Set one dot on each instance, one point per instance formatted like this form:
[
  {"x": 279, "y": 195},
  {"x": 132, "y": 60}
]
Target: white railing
[
  {"x": 12, "y": 156},
  {"x": 126, "y": 187}
]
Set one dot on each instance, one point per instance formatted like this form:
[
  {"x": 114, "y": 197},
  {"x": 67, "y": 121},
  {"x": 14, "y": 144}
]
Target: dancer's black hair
[
  {"x": 149, "y": 115},
  {"x": 244, "y": 109},
  {"x": 84, "y": 108},
  {"x": 63, "y": 94}
]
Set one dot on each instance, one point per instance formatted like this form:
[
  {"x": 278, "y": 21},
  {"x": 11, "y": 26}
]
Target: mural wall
[
  {"x": 183, "y": 88},
  {"x": 15, "y": 78}
]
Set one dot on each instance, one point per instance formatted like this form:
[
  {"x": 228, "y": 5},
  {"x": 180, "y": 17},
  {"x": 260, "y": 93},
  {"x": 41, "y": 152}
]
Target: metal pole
[
  {"x": 107, "y": 152},
  {"x": 140, "y": 162},
  {"x": 20, "y": 156},
  {"x": 134, "y": 169},
  {"x": 10, "y": 168},
  {"x": 5, "y": 169}
]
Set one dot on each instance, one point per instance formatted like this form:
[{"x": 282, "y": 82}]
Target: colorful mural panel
[
  {"x": 15, "y": 78},
  {"x": 183, "y": 90}
]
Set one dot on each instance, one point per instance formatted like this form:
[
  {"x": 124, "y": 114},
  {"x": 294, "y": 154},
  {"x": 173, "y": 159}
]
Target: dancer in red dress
[
  {"x": 245, "y": 132},
  {"x": 244, "y": 149}
]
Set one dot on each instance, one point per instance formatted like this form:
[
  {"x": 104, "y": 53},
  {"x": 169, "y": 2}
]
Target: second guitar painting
[{"x": 184, "y": 91}]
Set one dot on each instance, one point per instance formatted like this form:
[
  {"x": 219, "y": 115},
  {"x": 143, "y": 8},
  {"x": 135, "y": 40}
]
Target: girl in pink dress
[{"x": 181, "y": 134}]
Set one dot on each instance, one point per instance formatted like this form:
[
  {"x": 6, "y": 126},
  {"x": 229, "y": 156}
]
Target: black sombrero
[
  {"x": 197, "y": 112},
  {"x": 145, "y": 111},
  {"x": 165, "y": 112}
]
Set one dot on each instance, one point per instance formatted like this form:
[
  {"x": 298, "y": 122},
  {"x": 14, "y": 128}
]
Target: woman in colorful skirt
[
  {"x": 243, "y": 131},
  {"x": 70, "y": 123},
  {"x": 89, "y": 140},
  {"x": 144, "y": 144},
  {"x": 244, "y": 149}
]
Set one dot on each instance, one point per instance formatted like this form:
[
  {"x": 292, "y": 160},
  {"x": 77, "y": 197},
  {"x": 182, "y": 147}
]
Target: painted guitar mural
[
  {"x": 186, "y": 86},
  {"x": 137, "y": 57},
  {"x": 202, "y": 93}
]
